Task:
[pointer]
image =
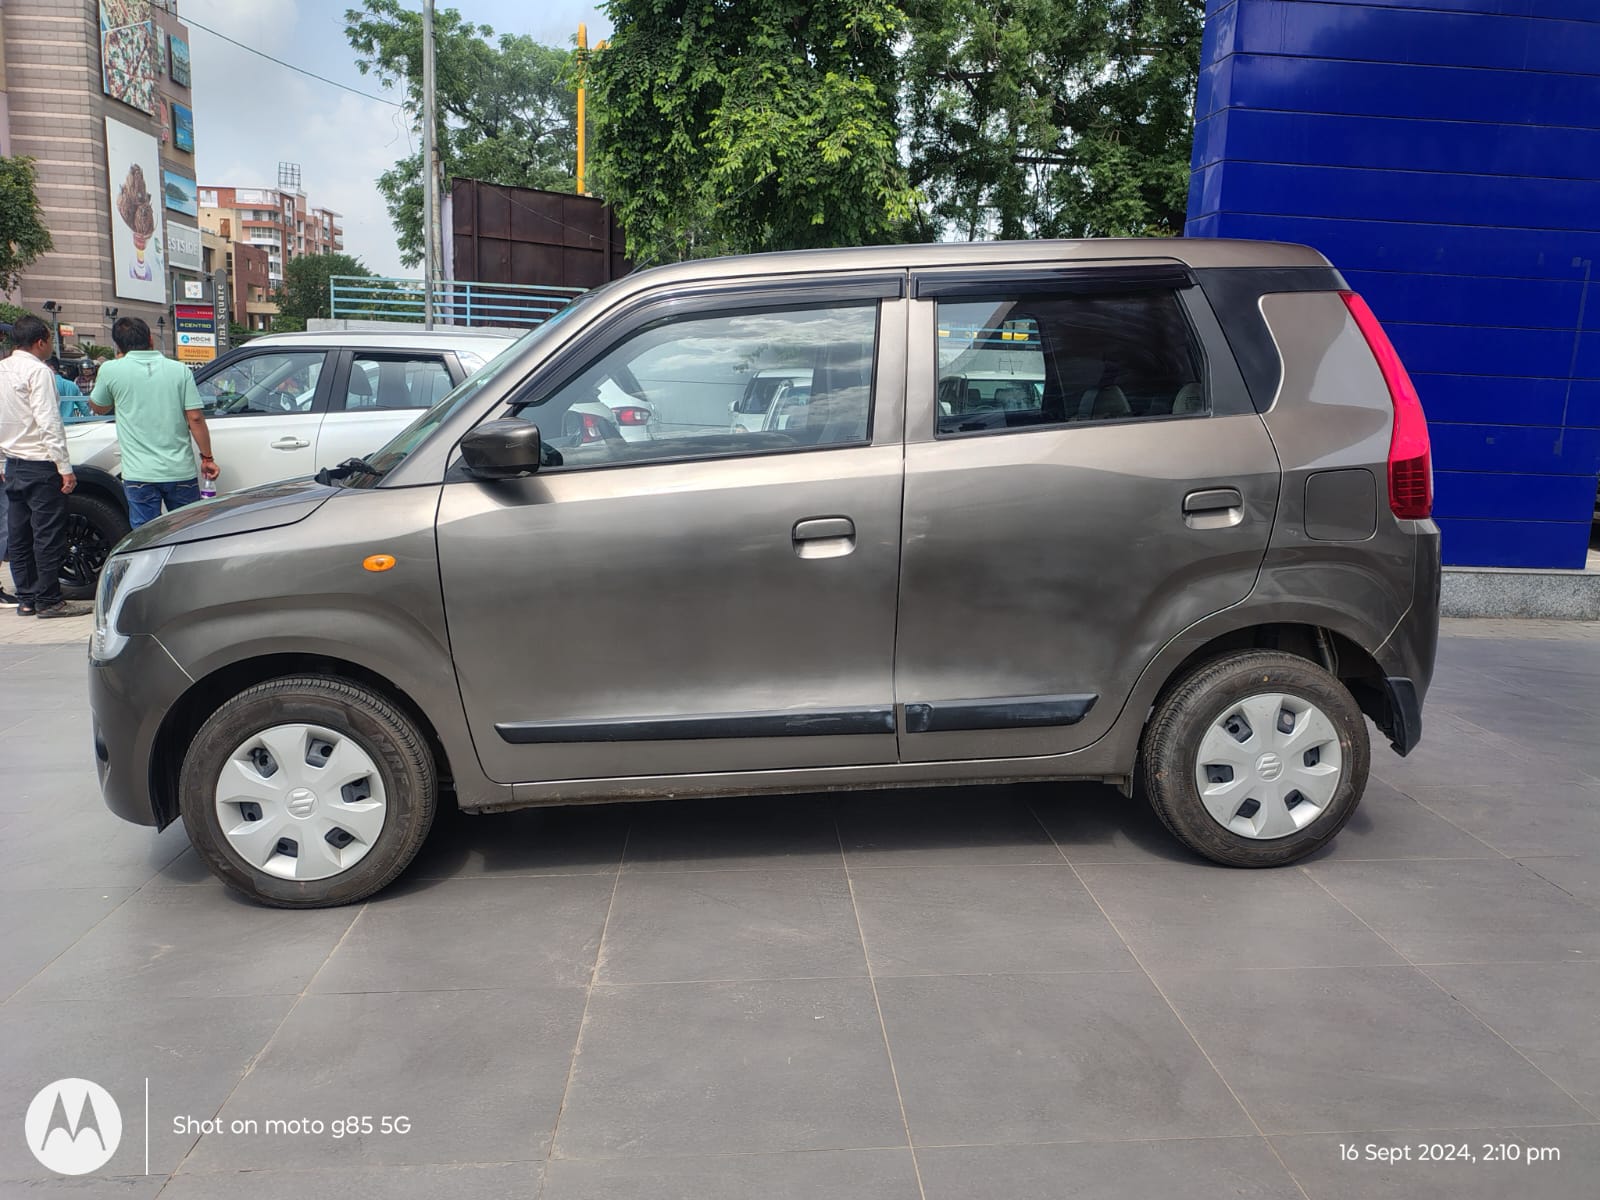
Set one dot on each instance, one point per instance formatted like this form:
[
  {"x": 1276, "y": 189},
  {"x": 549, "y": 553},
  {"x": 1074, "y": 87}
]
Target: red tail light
[
  {"x": 1410, "y": 461},
  {"x": 631, "y": 415},
  {"x": 591, "y": 428}
]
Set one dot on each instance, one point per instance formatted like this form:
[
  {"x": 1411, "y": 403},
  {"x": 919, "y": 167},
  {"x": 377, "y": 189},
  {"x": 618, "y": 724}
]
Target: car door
[
  {"x": 376, "y": 394},
  {"x": 706, "y": 600},
  {"x": 1106, "y": 485},
  {"x": 262, "y": 409}
]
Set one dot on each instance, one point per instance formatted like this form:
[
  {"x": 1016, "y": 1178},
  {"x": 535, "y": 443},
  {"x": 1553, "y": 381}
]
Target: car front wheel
[
  {"x": 94, "y": 527},
  {"x": 308, "y": 792},
  {"x": 1256, "y": 759}
]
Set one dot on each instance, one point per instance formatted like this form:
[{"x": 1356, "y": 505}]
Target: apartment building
[{"x": 279, "y": 220}]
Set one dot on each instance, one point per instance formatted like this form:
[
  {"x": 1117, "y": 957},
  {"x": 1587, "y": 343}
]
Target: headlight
[{"x": 122, "y": 575}]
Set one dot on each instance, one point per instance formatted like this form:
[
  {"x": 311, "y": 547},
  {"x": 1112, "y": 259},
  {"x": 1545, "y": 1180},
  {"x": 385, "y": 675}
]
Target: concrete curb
[{"x": 1515, "y": 592}]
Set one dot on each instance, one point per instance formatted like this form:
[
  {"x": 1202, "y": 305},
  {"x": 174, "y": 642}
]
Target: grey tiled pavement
[{"x": 1025, "y": 992}]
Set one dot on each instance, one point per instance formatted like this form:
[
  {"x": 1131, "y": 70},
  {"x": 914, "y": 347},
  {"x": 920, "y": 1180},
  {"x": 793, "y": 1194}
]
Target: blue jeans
[{"x": 145, "y": 499}]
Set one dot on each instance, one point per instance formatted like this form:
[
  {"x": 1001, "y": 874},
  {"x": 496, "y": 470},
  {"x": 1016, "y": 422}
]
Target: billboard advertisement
[
  {"x": 137, "y": 258},
  {"x": 128, "y": 53},
  {"x": 182, "y": 127},
  {"x": 179, "y": 193}
]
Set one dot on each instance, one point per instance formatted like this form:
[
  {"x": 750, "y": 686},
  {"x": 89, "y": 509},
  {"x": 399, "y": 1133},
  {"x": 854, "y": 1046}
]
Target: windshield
[{"x": 422, "y": 428}]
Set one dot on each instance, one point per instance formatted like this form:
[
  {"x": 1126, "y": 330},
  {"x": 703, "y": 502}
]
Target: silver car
[{"x": 1187, "y": 551}]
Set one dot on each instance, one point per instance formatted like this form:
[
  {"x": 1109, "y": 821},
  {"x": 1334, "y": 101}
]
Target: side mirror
[{"x": 502, "y": 449}]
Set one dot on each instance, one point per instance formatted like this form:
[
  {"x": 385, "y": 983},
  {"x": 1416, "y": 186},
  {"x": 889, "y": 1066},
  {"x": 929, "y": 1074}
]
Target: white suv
[{"x": 278, "y": 407}]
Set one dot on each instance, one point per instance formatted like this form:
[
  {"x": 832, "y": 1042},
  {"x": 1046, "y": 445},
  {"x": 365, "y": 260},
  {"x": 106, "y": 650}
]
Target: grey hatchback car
[{"x": 1177, "y": 539}]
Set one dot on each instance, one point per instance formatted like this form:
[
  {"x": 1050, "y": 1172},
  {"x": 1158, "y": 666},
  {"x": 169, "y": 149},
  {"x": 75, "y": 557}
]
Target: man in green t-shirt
[{"x": 158, "y": 411}]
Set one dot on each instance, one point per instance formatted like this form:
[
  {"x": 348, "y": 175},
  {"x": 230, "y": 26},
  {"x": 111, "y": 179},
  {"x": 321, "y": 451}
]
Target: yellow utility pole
[{"x": 583, "y": 51}]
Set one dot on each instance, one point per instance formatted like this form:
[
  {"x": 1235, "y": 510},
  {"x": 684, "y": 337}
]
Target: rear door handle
[
  {"x": 290, "y": 443},
  {"x": 824, "y": 537},
  {"x": 1212, "y": 499}
]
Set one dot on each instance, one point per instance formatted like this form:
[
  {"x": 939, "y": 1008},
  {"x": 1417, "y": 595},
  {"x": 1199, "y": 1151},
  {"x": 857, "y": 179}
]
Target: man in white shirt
[{"x": 38, "y": 474}]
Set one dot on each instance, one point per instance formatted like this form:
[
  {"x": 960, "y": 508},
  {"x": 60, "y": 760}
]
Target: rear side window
[{"x": 1048, "y": 360}]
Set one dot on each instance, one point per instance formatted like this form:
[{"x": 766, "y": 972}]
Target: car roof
[
  {"x": 401, "y": 339},
  {"x": 1192, "y": 252}
]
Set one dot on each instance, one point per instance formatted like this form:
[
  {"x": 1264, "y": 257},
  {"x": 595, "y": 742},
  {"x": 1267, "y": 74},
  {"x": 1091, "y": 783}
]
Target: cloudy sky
[{"x": 251, "y": 114}]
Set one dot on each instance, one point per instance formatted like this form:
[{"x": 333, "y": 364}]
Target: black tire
[
  {"x": 392, "y": 740},
  {"x": 1168, "y": 754},
  {"x": 94, "y": 527}
]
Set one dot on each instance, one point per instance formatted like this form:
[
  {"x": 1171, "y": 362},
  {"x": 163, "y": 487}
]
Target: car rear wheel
[
  {"x": 94, "y": 527},
  {"x": 1255, "y": 759},
  {"x": 308, "y": 792}
]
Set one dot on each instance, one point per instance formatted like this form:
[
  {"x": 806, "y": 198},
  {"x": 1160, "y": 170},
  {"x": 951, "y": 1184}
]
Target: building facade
[
  {"x": 278, "y": 220},
  {"x": 97, "y": 93},
  {"x": 1446, "y": 157}
]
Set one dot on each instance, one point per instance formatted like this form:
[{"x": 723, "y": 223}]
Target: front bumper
[{"x": 129, "y": 697}]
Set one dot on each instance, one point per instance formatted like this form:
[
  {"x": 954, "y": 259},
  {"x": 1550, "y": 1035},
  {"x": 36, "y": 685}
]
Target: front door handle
[
  {"x": 290, "y": 443},
  {"x": 824, "y": 537}
]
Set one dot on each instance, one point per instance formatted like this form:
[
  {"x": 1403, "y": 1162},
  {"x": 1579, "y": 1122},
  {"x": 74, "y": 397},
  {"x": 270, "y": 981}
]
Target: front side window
[
  {"x": 707, "y": 386},
  {"x": 264, "y": 384},
  {"x": 1051, "y": 360}
]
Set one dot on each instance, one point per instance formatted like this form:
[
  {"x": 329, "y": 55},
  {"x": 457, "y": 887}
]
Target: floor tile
[
  {"x": 473, "y": 933},
  {"x": 1199, "y": 917},
  {"x": 1236, "y": 1168},
  {"x": 71, "y": 840},
  {"x": 577, "y": 840},
  {"x": 1038, "y": 1058},
  {"x": 671, "y": 926},
  {"x": 1389, "y": 824},
  {"x": 759, "y": 832},
  {"x": 167, "y": 942},
  {"x": 1349, "y": 1048},
  {"x": 1521, "y": 820},
  {"x": 730, "y": 1068},
  {"x": 1094, "y": 823},
  {"x": 943, "y": 826},
  {"x": 468, "y": 1181},
  {"x": 1447, "y": 912},
  {"x": 1548, "y": 1011},
  {"x": 1321, "y": 1169},
  {"x": 1578, "y": 876},
  {"x": 192, "y": 1051},
  {"x": 982, "y": 920},
  {"x": 41, "y": 925},
  {"x": 812, "y": 1175},
  {"x": 479, "y": 1074}
]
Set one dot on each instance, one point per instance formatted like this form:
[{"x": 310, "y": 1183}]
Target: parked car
[
  {"x": 753, "y": 409},
  {"x": 279, "y": 406},
  {"x": 1193, "y": 566}
]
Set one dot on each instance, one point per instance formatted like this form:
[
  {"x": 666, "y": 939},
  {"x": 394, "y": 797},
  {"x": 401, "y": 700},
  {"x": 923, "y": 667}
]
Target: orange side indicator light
[{"x": 378, "y": 562}]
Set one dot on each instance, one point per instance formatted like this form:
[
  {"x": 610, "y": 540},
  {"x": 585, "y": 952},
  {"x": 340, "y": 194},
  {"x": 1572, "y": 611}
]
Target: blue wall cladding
[{"x": 1445, "y": 154}]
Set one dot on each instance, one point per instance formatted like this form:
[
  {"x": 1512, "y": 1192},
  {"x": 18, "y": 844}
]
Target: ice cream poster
[{"x": 135, "y": 183}]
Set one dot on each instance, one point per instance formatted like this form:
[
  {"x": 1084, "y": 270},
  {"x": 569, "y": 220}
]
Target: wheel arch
[
  {"x": 1308, "y": 632},
  {"x": 207, "y": 694},
  {"x": 102, "y": 485}
]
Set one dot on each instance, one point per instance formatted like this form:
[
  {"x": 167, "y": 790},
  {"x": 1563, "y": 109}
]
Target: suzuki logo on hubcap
[
  {"x": 301, "y": 802},
  {"x": 1269, "y": 767}
]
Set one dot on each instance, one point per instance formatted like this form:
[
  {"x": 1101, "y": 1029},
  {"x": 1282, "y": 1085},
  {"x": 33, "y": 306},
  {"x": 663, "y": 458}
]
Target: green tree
[
  {"x": 304, "y": 293},
  {"x": 1052, "y": 118},
  {"x": 767, "y": 124},
  {"x": 23, "y": 235},
  {"x": 507, "y": 113}
]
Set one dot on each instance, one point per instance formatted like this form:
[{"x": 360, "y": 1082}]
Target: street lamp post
[{"x": 431, "y": 181}]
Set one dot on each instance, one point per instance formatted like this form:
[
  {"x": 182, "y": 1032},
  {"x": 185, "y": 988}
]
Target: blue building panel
[{"x": 1445, "y": 155}]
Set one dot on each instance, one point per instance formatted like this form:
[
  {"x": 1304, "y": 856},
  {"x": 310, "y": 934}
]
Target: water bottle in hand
[{"x": 208, "y": 488}]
